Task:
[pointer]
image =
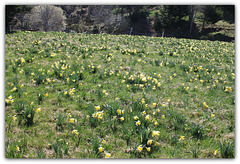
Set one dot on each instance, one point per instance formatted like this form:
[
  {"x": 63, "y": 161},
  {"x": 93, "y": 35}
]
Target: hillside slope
[{"x": 74, "y": 95}]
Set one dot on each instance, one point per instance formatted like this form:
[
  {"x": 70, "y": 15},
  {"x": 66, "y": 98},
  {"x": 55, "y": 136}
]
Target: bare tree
[
  {"x": 47, "y": 18},
  {"x": 103, "y": 16}
]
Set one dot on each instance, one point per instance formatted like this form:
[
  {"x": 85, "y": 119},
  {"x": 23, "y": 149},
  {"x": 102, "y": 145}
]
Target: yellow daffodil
[
  {"x": 138, "y": 123},
  {"x": 148, "y": 149},
  {"x": 53, "y": 54},
  {"x": 215, "y": 152},
  {"x": 144, "y": 79},
  {"x": 135, "y": 117},
  {"x": 94, "y": 115},
  {"x": 22, "y": 60},
  {"x": 14, "y": 89},
  {"x": 97, "y": 107},
  {"x": 147, "y": 117},
  {"x": 17, "y": 149},
  {"x": 120, "y": 112},
  {"x": 181, "y": 138},
  {"x": 7, "y": 101},
  {"x": 205, "y": 105},
  {"x": 149, "y": 142},
  {"x": 14, "y": 117},
  {"x": 114, "y": 117},
  {"x": 155, "y": 133},
  {"x": 143, "y": 112},
  {"x": 99, "y": 115},
  {"x": 100, "y": 149},
  {"x": 75, "y": 132},
  {"x": 107, "y": 155},
  {"x": 72, "y": 120},
  {"x": 154, "y": 88},
  {"x": 103, "y": 141},
  {"x": 228, "y": 89},
  {"x": 139, "y": 148},
  {"x": 38, "y": 110}
]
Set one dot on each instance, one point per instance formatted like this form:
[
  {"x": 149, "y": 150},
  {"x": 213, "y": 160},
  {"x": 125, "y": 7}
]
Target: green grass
[{"x": 118, "y": 96}]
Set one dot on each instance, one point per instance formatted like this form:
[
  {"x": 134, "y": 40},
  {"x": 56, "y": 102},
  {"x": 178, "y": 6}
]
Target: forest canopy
[{"x": 189, "y": 21}]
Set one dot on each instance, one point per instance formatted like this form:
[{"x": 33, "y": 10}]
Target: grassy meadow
[{"x": 71, "y": 95}]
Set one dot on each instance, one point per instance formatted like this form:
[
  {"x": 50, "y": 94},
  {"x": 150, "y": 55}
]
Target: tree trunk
[
  {"x": 7, "y": 30},
  {"x": 122, "y": 17},
  {"x": 191, "y": 14},
  {"x": 204, "y": 19},
  {"x": 7, "y": 26}
]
